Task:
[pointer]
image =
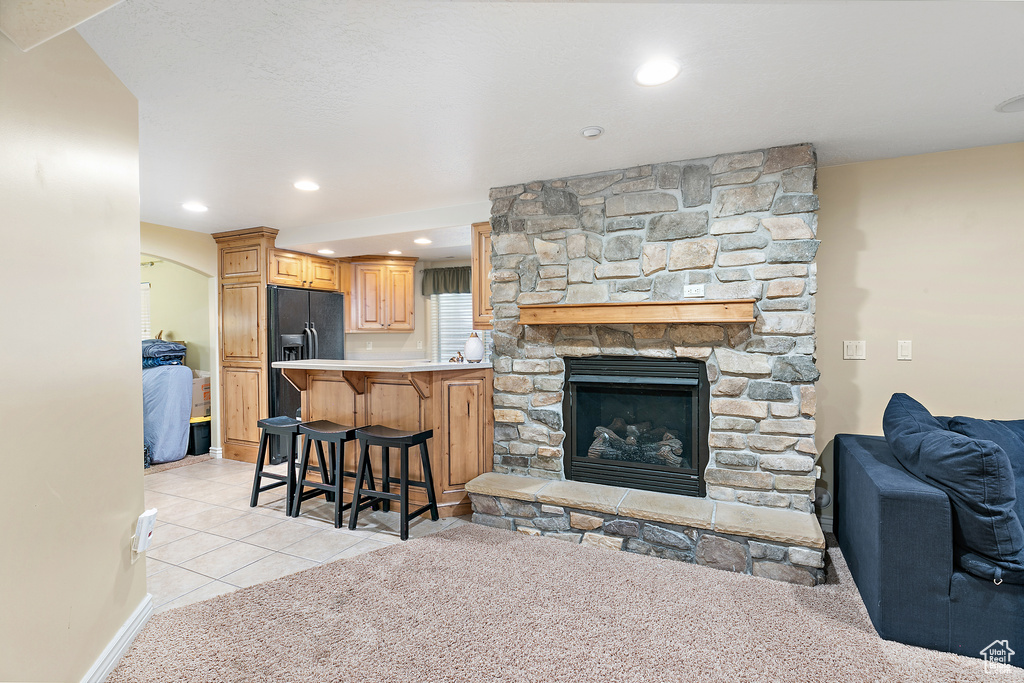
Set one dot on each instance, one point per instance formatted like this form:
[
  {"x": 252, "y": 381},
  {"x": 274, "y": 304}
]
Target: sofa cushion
[
  {"x": 975, "y": 473},
  {"x": 1008, "y": 435}
]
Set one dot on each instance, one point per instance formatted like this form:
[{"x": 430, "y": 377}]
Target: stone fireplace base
[{"x": 785, "y": 545}]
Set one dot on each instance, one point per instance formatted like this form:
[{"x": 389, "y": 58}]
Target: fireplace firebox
[{"x": 641, "y": 423}]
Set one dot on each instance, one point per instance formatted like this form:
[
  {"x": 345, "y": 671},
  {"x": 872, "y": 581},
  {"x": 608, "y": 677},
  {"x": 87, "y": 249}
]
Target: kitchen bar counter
[
  {"x": 420, "y": 365},
  {"x": 453, "y": 399}
]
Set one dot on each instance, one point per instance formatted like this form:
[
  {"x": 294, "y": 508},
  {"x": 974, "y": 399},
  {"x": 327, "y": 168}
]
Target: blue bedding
[
  {"x": 166, "y": 409},
  {"x": 157, "y": 348}
]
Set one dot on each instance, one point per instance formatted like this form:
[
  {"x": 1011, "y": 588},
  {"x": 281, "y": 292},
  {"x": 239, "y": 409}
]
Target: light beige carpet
[{"x": 478, "y": 604}]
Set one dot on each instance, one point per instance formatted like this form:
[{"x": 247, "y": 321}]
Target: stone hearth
[
  {"x": 740, "y": 225},
  {"x": 774, "y": 544}
]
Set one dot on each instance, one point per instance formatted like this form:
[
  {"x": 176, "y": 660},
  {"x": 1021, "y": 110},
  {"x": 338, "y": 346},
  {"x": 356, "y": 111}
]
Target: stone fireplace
[
  {"x": 637, "y": 422},
  {"x": 736, "y": 228}
]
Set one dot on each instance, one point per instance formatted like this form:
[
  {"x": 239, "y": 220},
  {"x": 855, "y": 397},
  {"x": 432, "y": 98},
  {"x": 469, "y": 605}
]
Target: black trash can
[{"x": 198, "y": 436}]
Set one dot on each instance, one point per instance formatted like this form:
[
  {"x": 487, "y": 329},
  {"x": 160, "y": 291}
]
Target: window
[
  {"x": 451, "y": 318},
  {"x": 147, "y": 331}
]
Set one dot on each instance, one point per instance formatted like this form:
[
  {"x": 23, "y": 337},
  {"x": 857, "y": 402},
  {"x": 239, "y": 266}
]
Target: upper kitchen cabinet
[
  {"x": 382, "y": 296},
  {"x": 482, "y": 314},
  {"x": 303, "y": 270}
]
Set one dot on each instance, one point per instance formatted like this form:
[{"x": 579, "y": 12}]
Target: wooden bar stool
[
  {"x": 286, "y": 428},
  {"x": 332, "y": 469},
  {"x": 387, "y": 438}
]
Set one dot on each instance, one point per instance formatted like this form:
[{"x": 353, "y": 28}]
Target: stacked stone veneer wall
[{"x": 741, "y": 224}]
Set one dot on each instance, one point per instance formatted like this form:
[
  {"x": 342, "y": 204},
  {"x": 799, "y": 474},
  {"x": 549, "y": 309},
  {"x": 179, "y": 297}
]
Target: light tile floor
[{"x": 208, "y": 541}]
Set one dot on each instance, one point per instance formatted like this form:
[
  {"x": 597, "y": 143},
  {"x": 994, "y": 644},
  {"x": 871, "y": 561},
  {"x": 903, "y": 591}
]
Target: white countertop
[{"x": 420, "y": 365}]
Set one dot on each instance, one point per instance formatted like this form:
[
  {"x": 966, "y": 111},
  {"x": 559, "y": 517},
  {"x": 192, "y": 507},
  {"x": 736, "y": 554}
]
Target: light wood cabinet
[
  {"x": 240, "y": 262},
  {"x": 302, "y": 270},
  {"x": 242, "y": 322},
  {"x": 383, "y": 295},
  {"x": 322, "y": 273},
  {"x": 399, "y": 300},
  {"x": 243, "y": 392},
  {"x": 482, "y": 313},
  {"x": 243, "y": 276},
  {"x": 367, "y": 304}
]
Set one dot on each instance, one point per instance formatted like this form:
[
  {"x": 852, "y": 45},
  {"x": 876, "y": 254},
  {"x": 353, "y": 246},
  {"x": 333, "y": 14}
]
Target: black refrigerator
[{"x": 301, "y": 324}]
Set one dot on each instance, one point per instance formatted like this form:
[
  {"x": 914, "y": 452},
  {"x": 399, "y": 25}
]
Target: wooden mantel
[{"x": 697, "y": 311}]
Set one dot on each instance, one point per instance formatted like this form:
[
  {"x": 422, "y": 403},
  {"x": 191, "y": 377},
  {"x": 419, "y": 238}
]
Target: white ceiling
[{"x": 406, "y": 112}]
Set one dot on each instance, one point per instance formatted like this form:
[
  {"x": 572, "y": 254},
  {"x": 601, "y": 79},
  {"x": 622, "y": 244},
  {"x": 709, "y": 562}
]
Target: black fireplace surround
[{"x": 641, "y": 423}]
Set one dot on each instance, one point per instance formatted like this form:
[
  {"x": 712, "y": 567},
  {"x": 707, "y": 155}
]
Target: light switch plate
[
  {"x": 904, "y": 350},
  {"x": 855, "y": 350}
]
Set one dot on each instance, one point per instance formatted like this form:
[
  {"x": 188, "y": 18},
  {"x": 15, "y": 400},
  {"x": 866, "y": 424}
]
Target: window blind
[
  {"x": 147, "y": 327},
  {"x": 451, "y": 323}
]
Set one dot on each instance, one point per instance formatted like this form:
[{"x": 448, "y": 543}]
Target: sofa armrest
[{"x": 896, "y": 535}]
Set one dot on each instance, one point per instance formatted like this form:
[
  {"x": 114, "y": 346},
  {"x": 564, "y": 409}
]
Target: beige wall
[
  {"x": 927, "y": 248},
  {"x": 180, "y": 307},
  {"x": 198, "y": 252},
  {"x": 195, "y": 250},
  {"x": 71, "y": 405}
]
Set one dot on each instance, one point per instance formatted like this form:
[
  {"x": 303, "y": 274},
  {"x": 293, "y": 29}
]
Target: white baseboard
[
  {"x": 122, "y": 640},
  {"x": 217, "y": 452},
  {"x": 826, "y": 524}
]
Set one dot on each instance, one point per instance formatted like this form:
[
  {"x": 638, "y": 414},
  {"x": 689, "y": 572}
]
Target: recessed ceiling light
[
  {"x": 395, "y": 252},
  {"x": 195, "y": 206},
  {"x": 1012, "y": 105},
  {"x": 325, "y": 252},
  {"x": 307, "y": 185},
  {"x": 656, "y": 72},
  {"x": 591, "y": 132},
  {"x": 422, "y": 240}
]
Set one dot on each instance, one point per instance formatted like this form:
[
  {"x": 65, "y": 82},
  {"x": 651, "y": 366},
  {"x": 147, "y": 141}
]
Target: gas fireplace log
[
  {"x": 638, "y": 430},
  {"x": 673, "y": 445},
  {"x": 618, "y": 426},
  {"x": 606, "y": 445},
  {"x": 666, "y": 455},
  {"x": 607, "y": 432},
  {"x": 641, "y": 447}
]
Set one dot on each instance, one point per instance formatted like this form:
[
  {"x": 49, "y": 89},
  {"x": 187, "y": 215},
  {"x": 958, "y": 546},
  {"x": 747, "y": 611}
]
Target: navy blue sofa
[{"x": 896, "y": 533}]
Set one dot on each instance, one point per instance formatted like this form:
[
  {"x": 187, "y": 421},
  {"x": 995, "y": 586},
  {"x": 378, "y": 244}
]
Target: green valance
[{"x": 447, "y": 280}]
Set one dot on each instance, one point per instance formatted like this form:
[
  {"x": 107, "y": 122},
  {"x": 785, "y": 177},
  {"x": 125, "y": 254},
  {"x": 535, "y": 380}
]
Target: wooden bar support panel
[{"x": 733, "y": 311}]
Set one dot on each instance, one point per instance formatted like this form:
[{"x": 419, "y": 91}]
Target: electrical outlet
[
  {"x": 693, "y": 291},
  {"x": 419, "y": 343},
  {"x": 855, "y": 350},
  {"x": 369, "y": 346},
  {"x": 143, "y": 533}
]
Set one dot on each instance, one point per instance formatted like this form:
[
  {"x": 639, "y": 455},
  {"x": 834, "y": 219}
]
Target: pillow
[
  {"x": 1008, "y": 435},
  {"x": 975, "y": 473},
  {"x": 1014, "y": 426}
]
